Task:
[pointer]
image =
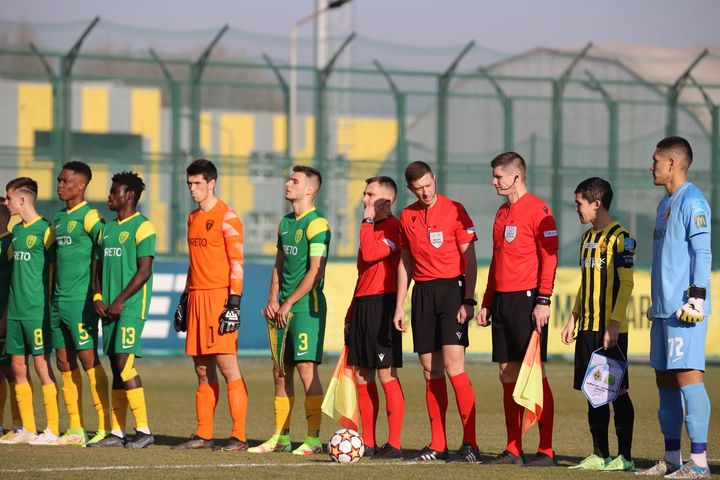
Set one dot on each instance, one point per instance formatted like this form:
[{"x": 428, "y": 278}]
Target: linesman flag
[
  {"x": 340, "y": 400},
  {"x": 528, "y": 390}
]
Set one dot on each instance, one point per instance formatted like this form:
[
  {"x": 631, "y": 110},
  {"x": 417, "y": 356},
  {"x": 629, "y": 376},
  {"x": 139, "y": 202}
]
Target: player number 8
[{"x": 38, "y": 334}]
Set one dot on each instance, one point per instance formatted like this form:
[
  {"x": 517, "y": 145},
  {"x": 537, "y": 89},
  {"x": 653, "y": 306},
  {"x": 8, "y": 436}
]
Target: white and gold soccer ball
[{"x": 346, "y": 446}]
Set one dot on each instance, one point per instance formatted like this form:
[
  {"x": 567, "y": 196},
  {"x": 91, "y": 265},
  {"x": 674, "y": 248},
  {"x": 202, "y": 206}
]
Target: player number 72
[{"x": 675, "y": 347}]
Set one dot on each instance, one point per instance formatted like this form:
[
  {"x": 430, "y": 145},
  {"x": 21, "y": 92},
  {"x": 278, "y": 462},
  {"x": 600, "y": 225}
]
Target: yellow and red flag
[
  {"x": 340, "y": 400},
  {"x": 528, "y": 390}
]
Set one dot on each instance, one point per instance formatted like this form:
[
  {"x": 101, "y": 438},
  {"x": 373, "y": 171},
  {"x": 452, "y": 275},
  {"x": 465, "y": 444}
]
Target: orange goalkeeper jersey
[{"x": 215, "y": 242}]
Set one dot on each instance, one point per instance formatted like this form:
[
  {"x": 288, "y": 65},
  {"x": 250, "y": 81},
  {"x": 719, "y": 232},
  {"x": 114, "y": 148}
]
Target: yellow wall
[
  {"x": 340, "y": 282},
  {"x": 94, "y": 119},
  {"x": 237, "y": 139},
  {"x": 34, "y": 113}
]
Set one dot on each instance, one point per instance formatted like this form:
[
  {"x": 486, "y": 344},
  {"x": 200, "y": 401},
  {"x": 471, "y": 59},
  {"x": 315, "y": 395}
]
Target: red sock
[
  {"x": 437, "y": 402},
  {"x": 206, "y": 399},
  {"x": 545, "y": 422},
  {"x": 513, "y": 420},
  {"x": 465, "y": 398},
  {"x": 395, "y": 401},
  {"x": 368, "y": 403}
]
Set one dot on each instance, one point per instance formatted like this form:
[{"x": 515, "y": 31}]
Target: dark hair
[
  {"x": 384, "y": 182},
  {"x": 132, "y": 182},
  {"x": 508, "y": 158},
  {"x": 202, "y": 167},
  {"x": 3, "y": 208},
  {"x": 679, "y": 144},
  {"x": 310, "y": 172},
  {"x": 23, "y": 183},
  {"x": 79, "y": 167},
  {"x": 596, "y": 188},
  {"x": 416, "y": 170}
]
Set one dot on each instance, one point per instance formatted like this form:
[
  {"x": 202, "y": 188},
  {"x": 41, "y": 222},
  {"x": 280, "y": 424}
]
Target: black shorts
[
  {"x": 512, "y": 325},
  {"x": 585, "y": 344},
  {"x": 435, "y": 304},
  {"x": 374, "y": 341}
]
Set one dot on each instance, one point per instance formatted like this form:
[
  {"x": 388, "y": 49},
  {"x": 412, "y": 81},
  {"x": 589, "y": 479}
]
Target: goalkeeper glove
[
  {"x": 230, "y": 317},
  {"x": 693, "y": 311},
  {"x": 180, "y": 319}
]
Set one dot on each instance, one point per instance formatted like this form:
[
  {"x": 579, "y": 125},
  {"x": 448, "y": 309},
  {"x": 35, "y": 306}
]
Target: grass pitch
[{"x": 170, "y": 392}]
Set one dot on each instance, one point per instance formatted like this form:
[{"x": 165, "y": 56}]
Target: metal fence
[{"x": 571, "y": 114}]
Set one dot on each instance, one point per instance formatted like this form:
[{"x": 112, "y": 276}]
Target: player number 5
[{"x": 83, "y": 332}]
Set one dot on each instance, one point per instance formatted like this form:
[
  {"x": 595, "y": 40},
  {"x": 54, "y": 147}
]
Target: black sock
[
  {"x": 599, "y": 421},
  {"x": 624, "y": 420}
]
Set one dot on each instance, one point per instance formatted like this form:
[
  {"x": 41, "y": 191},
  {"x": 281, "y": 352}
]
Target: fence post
[
  {"x": 286, "y": 109},
  {"x": 674, "y": 94}
]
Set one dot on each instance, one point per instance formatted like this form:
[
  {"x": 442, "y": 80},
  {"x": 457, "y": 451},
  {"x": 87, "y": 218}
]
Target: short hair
[
  {"x": 384, "y": 182},
  {"x": 24, "y": 184},
  {"x": 132, "y": 182},
  {"x": 509, "y": 158},
  {"x": 416, "y": 170},
  {"x": 596, "y": 188},
  {"x": 309, "y": 172},
  {"x": 679, "y": 144},
  {"x": 79, "y": 167},
  {"x": 202, "y": 167}
]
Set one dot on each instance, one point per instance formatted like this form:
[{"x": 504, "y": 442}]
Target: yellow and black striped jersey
[{"x": 606, "y": 263}]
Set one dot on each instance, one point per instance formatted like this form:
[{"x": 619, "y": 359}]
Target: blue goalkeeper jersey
[{"x": 681, "y": 217}]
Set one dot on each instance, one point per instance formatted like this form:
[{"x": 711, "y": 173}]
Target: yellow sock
[
  {"x": 3, "y": 397},
  {"x": 23, "y": 393},
  {"x": 313, "y": 414},
  {"x": 119, "y": 410},
  {"x": 52, "y": 414},
  {"x": 101, "y": 399},
  {"x": 283, "y": 408},
  {"x": 14, "y": 410},
  {"x": 136, "y": 400},
  {"x": 72, "y": 395}
]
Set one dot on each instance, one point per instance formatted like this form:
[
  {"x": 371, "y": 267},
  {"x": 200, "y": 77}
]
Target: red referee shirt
[
  {"x": 378, "y": 257},
  {"x": 433, "y": 236},
  {"x": 525, "y": 245}
]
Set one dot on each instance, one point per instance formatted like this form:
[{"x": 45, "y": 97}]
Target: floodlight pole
[
  {"x": 557, "y": 137},
  {"x": 321, "y": 78},
  {"x": 286, "y": 107},
  {"x": 442, "y": 124},
  {"x": 674, "y": 94},
  {"x": 196, "y": 72},
  {"x": 173, "y": 87},
  {"x": 613, "y": 119},
  {"x": 54, "y": 79},
  {"x": 401, "y": 143},
  {"x": 507, "y": 106}
]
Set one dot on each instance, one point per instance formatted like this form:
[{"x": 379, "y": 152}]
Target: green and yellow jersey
[
  {"x": 606, "y": 265},
  {"x": 77, "y": 232},
  {"x": 32, "y": 262},
  {"x": 121, "y": 244},
  {"x": 300, "y": 238}
]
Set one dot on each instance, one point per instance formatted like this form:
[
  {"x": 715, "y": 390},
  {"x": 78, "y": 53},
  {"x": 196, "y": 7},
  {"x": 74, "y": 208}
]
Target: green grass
[{"x": 170, "y": 392}]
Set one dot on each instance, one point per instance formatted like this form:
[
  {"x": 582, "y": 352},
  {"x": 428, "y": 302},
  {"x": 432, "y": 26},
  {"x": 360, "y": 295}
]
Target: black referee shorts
[
  {"x": 374, "y": 341},
  {"x": 435, "y": 304},
  {"x": 586, "y": 343},
  {"x": 512, "y": 325}
]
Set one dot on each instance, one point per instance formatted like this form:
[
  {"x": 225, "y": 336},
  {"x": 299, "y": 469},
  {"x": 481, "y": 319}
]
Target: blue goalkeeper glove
[
  {"x": 230, "y": 317},
  {"x": 693, "y": 310},
  {"x": 180, "y": 318}
]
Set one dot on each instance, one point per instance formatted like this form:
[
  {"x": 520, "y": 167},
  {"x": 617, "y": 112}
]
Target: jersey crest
[
  {"x": 510, "y": 233},
  {"x": 123, "y": 236},
  {"x": 71, "y": 226},
  {"x": 209, "y": 224},
  {"x": 298, "y": 235},
  {"x": 30, "y": 241},
  {"x": 436, "y": 239}
]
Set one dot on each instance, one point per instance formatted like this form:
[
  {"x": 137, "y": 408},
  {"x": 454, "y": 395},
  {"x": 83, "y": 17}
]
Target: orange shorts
[{"x": 203, "y": 320}]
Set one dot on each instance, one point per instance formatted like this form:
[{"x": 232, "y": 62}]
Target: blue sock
[
  {"x": 698, "y": 414},
  {"x": 670, "y": 416}
]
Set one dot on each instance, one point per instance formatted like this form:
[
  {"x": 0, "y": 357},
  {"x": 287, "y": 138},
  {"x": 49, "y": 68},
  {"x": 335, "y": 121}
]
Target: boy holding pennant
[{"x": 598, "y": 317}]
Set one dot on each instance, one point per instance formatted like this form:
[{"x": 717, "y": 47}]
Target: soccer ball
[{"x": 346, "y": 446}]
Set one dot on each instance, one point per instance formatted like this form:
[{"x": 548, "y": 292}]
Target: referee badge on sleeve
[
  {"x": 510, "y": 233},
  {"x": 436, "y": 239}
]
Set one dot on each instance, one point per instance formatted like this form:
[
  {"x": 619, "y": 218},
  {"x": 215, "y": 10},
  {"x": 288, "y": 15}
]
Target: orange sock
[
  {"x": 238, "y": 401},
  {"x": 205, "y": 401}
]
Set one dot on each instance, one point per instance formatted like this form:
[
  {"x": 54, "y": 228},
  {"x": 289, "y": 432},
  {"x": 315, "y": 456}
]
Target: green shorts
[
  {"x": 5, "y": 359},
  {"x": 122, "y": 336},
  {"x": 28, "y": 337},
  {"x": 305, "y": 336},
  {"x": 74, "y": 324}
]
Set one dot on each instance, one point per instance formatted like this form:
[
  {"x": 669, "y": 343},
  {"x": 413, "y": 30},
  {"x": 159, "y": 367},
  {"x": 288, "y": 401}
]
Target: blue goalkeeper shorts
[{"x": 676, "y": 345}]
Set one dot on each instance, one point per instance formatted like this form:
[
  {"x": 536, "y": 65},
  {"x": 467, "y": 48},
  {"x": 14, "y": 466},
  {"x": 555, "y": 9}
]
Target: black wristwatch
[
  {"x": 542, "y": 300},
  {"x": 368, "y": 220},
  {"x": 469, "y": 301}
]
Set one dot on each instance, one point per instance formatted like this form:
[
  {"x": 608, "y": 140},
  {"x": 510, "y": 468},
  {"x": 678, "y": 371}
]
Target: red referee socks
[
  {"x": 238, "y": 400},
  {"x": 206, "y": 399},
  {"x": 368, "y": 402},
  {"x": 513, "y": 420},
  {"x": 545, "y": 422},
  {"x": 465, "y": 398},
  {"x": 395, "y": 402},
  {"x": 437, "y": 402}
]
